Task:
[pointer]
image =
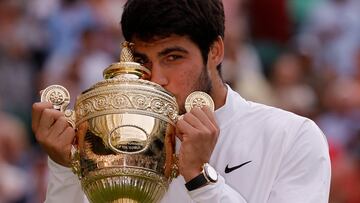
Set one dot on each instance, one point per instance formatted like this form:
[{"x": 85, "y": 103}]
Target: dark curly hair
[{"x": 200, "y": 20}]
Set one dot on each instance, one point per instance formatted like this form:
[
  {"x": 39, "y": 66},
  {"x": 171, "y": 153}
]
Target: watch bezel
[
  {"x": 210, "y": 173},
  {"x": 207, "y": 176}
]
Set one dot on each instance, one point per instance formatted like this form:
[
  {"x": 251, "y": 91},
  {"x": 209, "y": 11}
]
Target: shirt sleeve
[
  {"x": 215, "y": 193},
  {"x": 63, "y": 185},
  {"x": 304, "y": 174}
]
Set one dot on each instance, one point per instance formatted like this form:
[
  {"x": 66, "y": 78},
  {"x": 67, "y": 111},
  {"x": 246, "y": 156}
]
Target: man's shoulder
[
  {"x": 272, "y": 114},
  {"x": 283, "y": 123},
  {"x": 256, "y": 115}
]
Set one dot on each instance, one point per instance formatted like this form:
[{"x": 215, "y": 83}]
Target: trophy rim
[{"x": 138, "y": 96}]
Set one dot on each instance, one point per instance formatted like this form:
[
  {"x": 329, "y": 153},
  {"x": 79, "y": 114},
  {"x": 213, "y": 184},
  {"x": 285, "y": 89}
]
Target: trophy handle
[
  {"x": 199, "y": 99},
  {"x": 175, "y": 166},
  {"x": 59, "y": 97}
]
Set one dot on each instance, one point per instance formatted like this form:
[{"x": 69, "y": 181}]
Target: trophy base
[{"x": 139, "y": 186}]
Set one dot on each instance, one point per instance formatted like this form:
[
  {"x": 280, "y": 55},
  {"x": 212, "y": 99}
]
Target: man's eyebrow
[{"x": 171, "y": 49}]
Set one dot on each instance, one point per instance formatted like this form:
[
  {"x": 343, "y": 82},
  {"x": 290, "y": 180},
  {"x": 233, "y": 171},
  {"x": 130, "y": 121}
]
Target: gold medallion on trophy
[
  {"x": 57, "y": 95},
  {"x": 198, "y": 99}
]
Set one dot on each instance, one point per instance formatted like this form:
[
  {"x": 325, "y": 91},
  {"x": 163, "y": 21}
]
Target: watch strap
[{"x": 196, "y": 182}]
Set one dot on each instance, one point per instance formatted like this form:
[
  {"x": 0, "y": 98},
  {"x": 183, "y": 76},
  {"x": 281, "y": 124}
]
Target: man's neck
[{"x": 218, "y": 93}]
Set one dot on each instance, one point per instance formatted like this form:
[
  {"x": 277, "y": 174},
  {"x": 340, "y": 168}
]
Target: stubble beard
[{"x": 203, "y": 84}]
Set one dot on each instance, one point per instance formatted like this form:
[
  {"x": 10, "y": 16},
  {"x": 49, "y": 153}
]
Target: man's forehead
[
  {"x": 151, "y": 43},
  {"x": 158, "y": 40}
]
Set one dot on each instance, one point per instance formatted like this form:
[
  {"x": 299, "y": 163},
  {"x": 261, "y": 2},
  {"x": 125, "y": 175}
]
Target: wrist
[
  {"x": 190, "y": 174},
  {"x": 207, "y": 176}
]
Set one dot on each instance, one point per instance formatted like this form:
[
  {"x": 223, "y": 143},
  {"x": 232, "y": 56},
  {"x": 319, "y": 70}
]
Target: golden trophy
[{"x": 125, "y": 133}]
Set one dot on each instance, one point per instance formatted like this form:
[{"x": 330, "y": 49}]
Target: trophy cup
[{"x": 124, "y": 149}]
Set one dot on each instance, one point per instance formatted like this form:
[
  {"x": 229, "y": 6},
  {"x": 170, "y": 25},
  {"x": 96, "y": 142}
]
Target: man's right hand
[{"x": 53, "y": 132}]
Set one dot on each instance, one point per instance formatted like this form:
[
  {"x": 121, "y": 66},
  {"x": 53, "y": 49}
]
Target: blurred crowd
[{"x": 298, "y": 55}]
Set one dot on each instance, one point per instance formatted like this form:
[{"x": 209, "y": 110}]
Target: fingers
[
  {"x": 195, "y": 119},
  {"x": 53, "y": 132},
  {"x": 200, "y": 119},
  {"x": 205, "y": 116},
  {"x": 58, "y": 128},
  {"x": 198, "y": 124},
  {"x": 183, "y": 127},
  {"x": 210, "y": 122},
  {"x": 37, "y": 110},
  {"x": 48, "y": 118},
  {"x": 210, "y": 114},
  {"x": 198, "y": 132},
  {"x": 178, "y": 134},
  {"x": 67, "y": 136}
]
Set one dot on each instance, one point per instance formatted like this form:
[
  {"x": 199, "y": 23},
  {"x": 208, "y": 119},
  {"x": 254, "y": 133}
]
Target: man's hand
[
  {"x": 53, "y": 132},
  {"x": 198, "y": 132}
]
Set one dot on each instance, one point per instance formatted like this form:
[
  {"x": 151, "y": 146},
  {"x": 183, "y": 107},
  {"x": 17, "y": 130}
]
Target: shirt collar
[{"x": 234, "y": 105}]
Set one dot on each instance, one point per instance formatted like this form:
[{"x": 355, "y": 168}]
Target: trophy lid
[{"x": 126, "y": 67}]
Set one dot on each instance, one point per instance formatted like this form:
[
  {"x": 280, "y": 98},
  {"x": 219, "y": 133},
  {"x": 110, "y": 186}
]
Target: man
[{"x": 259, "y": 153}]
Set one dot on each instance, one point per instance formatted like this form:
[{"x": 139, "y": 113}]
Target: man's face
[{"x": 176, "y": 64}]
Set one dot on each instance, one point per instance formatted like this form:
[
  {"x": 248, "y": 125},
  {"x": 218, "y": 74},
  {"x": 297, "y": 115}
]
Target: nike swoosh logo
[{"x": 228, "y": 170}]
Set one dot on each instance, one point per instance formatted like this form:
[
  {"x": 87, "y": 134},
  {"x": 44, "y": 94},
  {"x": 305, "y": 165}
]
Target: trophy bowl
[
  {"x": 124, "y": 148},
  {"x": 125, "y": 134}
]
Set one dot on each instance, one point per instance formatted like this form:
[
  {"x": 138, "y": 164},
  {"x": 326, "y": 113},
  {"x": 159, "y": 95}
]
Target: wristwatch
[{"x": 207, "y": 175}]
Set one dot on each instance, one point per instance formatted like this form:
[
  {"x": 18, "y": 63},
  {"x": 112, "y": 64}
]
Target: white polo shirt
[{"x": 263, "y": 154}]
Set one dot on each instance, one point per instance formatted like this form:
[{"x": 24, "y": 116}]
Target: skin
[{"x": 176, "y": 64}]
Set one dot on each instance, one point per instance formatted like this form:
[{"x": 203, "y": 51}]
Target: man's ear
[{"x": 216, "y": 53}]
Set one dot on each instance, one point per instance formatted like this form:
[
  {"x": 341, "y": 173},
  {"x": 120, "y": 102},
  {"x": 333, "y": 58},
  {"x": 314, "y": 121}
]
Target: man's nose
[{"x": 158, "y": 76}]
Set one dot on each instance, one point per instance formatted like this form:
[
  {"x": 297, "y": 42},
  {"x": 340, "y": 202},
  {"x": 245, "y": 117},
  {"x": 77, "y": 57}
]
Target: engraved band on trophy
[{"x": 125, "y": 133}]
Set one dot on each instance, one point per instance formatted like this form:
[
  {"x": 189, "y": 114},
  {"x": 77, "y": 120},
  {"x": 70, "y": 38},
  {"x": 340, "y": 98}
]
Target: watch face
[{"x": 211, "y": 173}]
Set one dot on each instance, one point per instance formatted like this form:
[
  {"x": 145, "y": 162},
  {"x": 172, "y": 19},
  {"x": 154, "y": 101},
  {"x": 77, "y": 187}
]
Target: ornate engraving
[
  {"x": 146, "y": 101},
  {"x": 128, "y": 139},
  {"x": 142, "y": 172},
  {"x": 198, "y": 99},
  {"x": 57, "y": 95},
  {"x": 101, "y": 102},
  {"x": 137, "y": 185},
  {"x": 119, "y": 101},
  {"x": 140, "y": 101}
]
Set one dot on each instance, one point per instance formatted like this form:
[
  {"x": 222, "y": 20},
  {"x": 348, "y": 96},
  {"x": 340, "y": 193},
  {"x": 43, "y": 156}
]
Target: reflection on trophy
[{"x": 125, "y": 133}]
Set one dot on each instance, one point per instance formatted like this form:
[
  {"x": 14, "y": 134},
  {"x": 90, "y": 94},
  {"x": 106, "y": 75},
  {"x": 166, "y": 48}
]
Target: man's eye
[{"x": 173, "y": 57}]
